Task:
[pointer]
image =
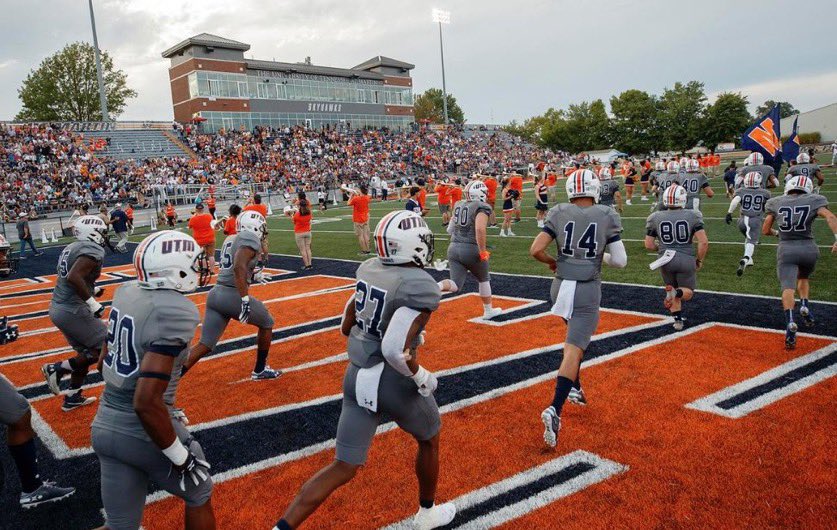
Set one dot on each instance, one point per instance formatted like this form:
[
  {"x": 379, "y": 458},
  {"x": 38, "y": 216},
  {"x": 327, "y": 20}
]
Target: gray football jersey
[
  {"x": 664, "y": 180},
  {"x": 379, "y": 292},
  {"x": 606, "y": 192},
  {"x": 226, "y": 276},
  {"x": 765, "y": 170},
  {"x": 464, "y": 221},
  {"x": 794, "y": 214},
  {"x": 807, "y": 170},
  {"x": 652, "y": 178},
  {"x": 674, "y": 229},
  {"x": 142, "y": 320},
  {"x": 64, "y": 295},
  {"x": 692, "y": 182},
  {"x": 752, "y": 201},
  {"x": 582, "y": 234}
]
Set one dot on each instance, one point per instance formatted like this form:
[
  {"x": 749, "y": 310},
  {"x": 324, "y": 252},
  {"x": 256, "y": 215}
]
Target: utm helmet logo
[{"x": 764, "y": 134}]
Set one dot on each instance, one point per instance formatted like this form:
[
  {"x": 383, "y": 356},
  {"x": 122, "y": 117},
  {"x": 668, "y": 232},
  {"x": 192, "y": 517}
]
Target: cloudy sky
[{"x": 504, "y": 59}]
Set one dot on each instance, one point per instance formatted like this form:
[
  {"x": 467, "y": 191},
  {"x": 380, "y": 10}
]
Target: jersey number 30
[
  {"x": 121, "y": 356},
  {"x": 369, "y": 294}
]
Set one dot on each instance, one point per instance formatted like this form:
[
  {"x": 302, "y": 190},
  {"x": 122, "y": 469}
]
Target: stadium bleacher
[{"x": 138, "y": 143}]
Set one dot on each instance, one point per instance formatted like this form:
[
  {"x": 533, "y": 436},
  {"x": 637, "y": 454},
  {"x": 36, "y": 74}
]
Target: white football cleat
[
  {"x": 628, "y": 202},
  {"x": 434, "y": 517},
  {"x": 552, "y": 424},
  {"x": 512, "y": 234},
  {"x": 491, "y": 313}
]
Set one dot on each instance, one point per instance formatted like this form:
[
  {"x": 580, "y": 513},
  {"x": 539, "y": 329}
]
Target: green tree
[
  {"x": 599, "y": 136},
  {"x": 65, "y": 87},
  {"x": 429, "y": 106},
  {"x": 785, "y": 108},
  {"x": 726, "y": 119},
  {"x": 634, "y": 124},
  {"x": 681, "y": 111}
]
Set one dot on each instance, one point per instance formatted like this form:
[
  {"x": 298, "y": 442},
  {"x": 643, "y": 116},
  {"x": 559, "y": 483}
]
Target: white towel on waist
[
  {"x": 667, "y": 256},
  {"x": 366, "y": 386},
  {"x": 563, "y": 306}
]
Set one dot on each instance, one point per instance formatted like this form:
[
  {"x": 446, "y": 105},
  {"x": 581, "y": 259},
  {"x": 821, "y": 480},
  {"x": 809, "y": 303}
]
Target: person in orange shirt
[
  {"x": 629, "y": 172},
  {"x": 203, "y": 230},
  {"x": 443, "y": 191},
  {"x": 516, "y": 183},
  {"x": 210, "y": 205},
  {"x": 129, "y": 212},
  {"x": 422, "y": 195},
  {"x": 359, "y": 202},
  {"x": 301, "y": 216},
  {"x": 491, "y": 198},
  {"x": 229, "y": 223},
  {"x": 455, "y": 192},
  {"x": 171, "y": 214},
  {"x": 257, "y": 206},
  {"x": 551, "y": 181}
]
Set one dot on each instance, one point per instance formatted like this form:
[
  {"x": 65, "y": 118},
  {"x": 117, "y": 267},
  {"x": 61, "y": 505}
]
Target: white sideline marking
[
  {"x": 603, "y": 470},
  {"x": 710, "y": 402}
]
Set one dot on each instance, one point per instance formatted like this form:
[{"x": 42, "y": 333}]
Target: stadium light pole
[
  {"x": 442, "y": 17},
  {"x": 103, "y": 100}
]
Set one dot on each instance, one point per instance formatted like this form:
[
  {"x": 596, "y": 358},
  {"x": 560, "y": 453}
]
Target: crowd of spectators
[{"x": 43, "y": 169}]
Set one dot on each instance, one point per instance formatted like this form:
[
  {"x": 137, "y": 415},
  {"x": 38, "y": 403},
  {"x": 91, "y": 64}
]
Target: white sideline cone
[
  {"x": 269, "y": 209},
  {"x": 153, "y": 223},
  {"x": 53, "y": 238},
  {"x": 44, "y": 238}
]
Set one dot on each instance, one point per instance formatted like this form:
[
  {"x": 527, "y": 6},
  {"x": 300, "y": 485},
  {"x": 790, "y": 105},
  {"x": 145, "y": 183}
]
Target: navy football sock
[
  {"x": 424, "y": 503},
  {"x": 283, "y": 525},
  {"x": 577, "y": 383},
  {"x": 789, "y": 315},
  {"x": 562, "y": 390},
  {"x": 678, "y": 315},
  {"x": 261, "y": 360},
  {"x": 26, "y": 460},
  {"x": 804, "y": 302},
  {"x": 678, "y": 293}
]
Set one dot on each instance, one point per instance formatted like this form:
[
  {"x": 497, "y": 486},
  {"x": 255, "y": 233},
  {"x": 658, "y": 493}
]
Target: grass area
[{"x": 333, "y": 237}]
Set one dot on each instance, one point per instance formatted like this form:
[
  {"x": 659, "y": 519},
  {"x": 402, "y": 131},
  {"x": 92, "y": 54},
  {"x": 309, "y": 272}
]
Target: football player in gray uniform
[
  {"x": 16, "y": 415},
  {"x": 752, "y": 198},
  {"x": 467, "y": 251},
  {"x": 586, "y": 235},
  {"x": 755, "y": 162},
  {"x": 609, "y": 192},
  {"x": 693, "y": 181},
  {"x": 805, "y": 168},
  {"x": 137, "y": 434},
  {"x": 384, "y": 322},
  {"x": 75, "y": 311},
  {"x": 664, "y": 181},
  {"x": 794, "y": 212},
  {"x": 672, "y": 233},
  {"x": 230, "y": 298}
]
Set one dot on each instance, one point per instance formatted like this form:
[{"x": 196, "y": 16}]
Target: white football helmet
[
  {"x": 403, "y": 237},
  {"x": 754, "y": 159},
  {"x": 672, "y": 166},
  {"x": 605, "y": 174},
  {"x": 476, "y": 190},
  {"x": 799, "y": 183},
  {"x": 694, "y": 164},
  {"x": 684, "y": 162},
  {"x": 90, "y": 228},
  {"x": 803, "y": 158},
  {"x": 752, "y": 180},
  {"x": 660, "y": 165},
  {"x": 583, "y": 183},
  {"x": 171, "y": 260},
  {"x": 251, "y": 221},
  {"x": 675, "y": 196}
]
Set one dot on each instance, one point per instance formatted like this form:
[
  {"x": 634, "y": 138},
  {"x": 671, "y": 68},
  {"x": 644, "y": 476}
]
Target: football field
[{"x": 713, "y": 427}]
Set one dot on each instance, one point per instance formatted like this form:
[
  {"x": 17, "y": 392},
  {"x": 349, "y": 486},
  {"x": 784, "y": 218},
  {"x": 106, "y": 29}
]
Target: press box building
[{"x": 211, "y": 79}]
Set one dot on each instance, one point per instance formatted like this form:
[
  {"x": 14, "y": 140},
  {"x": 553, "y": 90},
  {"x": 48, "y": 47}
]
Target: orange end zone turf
[
  {"x": 687, "y": 469},
  {"x": 200, "y": 392}
]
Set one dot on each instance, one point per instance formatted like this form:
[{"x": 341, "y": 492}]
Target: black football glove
[
  {"x": 728, "y": 218},
  {"x": 193, "y": 469}
]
